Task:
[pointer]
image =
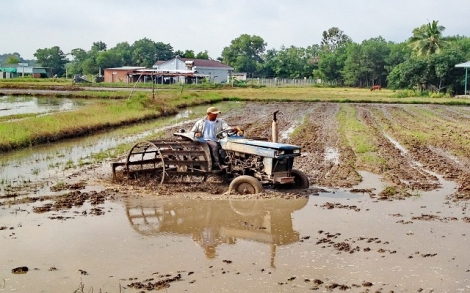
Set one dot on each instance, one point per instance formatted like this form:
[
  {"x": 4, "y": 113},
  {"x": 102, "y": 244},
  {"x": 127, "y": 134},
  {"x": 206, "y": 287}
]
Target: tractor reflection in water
[{"x": 214, "y": 222}]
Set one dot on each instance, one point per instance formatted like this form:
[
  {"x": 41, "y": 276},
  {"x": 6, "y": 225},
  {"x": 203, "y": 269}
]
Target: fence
[{"x": 280, "y": 82}]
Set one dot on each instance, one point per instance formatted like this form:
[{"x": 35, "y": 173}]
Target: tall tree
[
  {"x": 428, "y": 39},
  {"x": 98, "y": 46},
  {"x": 203, "y": 55},
  {"x": 53, "y": 58},
  {"x": 75, "y": 66},
  {"x": 144, "y": 52},
  {"x": 409, "y": 74},
  {"x": 399, "y": 53},
  {"x": 333, "y": 38},
  {"x": 354, "y": 72},
  {"x": 124, "y": 50},
  {"x": 185, "y": 54},
  {"x": 12, "y": 59},
  {"x": 268, "y": 68},
  {"x": 107, "y": 59},
  {"x": 244, "y": 53},
  {"x": 163, "y": 51},
  {"x": 292, "y": 62},
  {"x": 331, "y": 65},
  {"x": 365, "y": 63}
]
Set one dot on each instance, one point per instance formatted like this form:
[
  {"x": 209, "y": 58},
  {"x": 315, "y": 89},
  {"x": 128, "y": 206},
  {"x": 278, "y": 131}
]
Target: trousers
[{"x": 214, "y": 147}]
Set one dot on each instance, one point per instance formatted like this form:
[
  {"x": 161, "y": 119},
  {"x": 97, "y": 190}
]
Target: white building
[{"x": 214, "y": 71}]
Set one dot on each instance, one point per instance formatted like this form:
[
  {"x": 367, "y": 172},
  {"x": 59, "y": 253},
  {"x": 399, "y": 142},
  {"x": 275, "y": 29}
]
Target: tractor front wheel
[
  {"x": 246, "y": 185},
  {"x": 300, "y": 179}
]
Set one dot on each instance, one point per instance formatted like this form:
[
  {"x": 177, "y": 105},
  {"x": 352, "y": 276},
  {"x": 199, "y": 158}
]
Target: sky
[{"x": 28, "y": 25}]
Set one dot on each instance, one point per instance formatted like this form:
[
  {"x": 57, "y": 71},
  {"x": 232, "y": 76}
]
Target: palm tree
[{"x": 428, "y": 39}]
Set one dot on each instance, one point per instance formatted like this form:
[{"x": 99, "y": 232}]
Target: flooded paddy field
[
  {"x": 386, "y": 211},
  {"x": 16, "y": 105}
]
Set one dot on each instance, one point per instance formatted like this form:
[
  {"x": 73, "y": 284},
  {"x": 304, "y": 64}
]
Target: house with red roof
[
  {"x": 176, "y": 70},
  {"x": 212, "y": 70}
]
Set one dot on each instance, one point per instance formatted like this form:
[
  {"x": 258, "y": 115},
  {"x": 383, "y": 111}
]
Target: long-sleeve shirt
[{"x": 219, "y": 125}]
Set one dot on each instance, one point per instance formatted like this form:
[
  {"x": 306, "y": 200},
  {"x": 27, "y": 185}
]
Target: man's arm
[
  {"x": 234, "y": 128},
  {"x": 197, "y": 128}
]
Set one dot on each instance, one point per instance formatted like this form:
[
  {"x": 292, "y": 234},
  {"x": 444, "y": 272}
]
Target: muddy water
[
  {"x": 29, "y": 105},
  {"x": 271, "y": 245},
  {"x": 328, "y": 241}
]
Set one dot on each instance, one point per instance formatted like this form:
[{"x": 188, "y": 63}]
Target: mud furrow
[
  {"x": 401, "y": 142},
  {"x": 319, "y": 136},
  {"x": 397, "y": 167},
  {"x": 432, "y": 151}
]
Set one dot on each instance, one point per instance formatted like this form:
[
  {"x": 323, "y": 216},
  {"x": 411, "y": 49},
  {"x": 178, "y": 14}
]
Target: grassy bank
[
  {"x": 31, "y": 130},
  {"x": 112, "y": 108},
  {"x": 25, "y": 130}
]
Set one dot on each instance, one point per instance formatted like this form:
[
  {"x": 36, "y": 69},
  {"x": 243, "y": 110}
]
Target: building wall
[
  {"x": 217, "y": 75},
  {"x": 115, "y": 75},
  {"x": 173, "y": 65},
  {"x": 239, "y": 75}
]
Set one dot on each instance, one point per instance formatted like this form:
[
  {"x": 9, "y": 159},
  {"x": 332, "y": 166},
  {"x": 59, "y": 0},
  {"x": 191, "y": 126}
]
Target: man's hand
[
  {"x": 238, "y": 130},
  {"x": 197, "y": 134}
]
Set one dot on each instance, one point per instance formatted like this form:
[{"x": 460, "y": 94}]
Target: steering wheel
[{"x": 228, "y": 132}]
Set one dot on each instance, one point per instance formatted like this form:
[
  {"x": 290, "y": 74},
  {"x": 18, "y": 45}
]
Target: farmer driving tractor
[{"x": 208, "y": 128}]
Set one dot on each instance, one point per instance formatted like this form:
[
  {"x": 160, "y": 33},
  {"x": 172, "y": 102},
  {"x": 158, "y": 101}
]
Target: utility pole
[{"x": 153, "y": 86}]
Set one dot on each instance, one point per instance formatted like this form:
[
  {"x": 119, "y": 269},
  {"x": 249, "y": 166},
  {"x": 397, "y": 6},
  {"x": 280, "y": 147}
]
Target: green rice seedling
[
  {"x": 69, "y": 164},
  {"x": 53, "y": 165},
  {"x": 389, "y": 191},
  {"x": 60, "y": 185},
  {"x": 83, "y": 162},
  {"x": 360, "y": 138}
]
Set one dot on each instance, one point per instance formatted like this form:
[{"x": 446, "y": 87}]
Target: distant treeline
[{"x": 424, "y": 62}]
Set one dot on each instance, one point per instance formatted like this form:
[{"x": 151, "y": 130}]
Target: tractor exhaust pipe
[{"x": 274, "y": 127}]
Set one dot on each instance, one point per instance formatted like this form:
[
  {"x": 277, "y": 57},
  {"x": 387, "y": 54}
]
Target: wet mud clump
[
  {"x": 158, "y": 285},
  {"x": 74, "y": 199}
]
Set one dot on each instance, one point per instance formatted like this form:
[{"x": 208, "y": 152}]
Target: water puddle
[
  {"x": 139, "y": 237},
  {"x": 396, "y": 144},
  {"x": 269, "y": 245},
  {"x": 332, "y": 154},
  {"x": 30, "y": 105},
  {"x": 337, "y": 194},
  {"x": 284, "y": 135},
  {"x": 213, "y": 223},
  {"x": 371, "y": 181}
]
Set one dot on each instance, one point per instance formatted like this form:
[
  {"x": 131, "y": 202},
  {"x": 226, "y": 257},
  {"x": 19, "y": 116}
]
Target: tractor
[{"x": 251, "y": 163}]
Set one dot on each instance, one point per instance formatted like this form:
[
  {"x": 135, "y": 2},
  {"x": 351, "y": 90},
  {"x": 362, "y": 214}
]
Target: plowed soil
[{"x": 408, "y": 146}]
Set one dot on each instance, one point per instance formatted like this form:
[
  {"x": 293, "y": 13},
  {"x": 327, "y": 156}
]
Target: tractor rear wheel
[{"x": 245, "y": 185}]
